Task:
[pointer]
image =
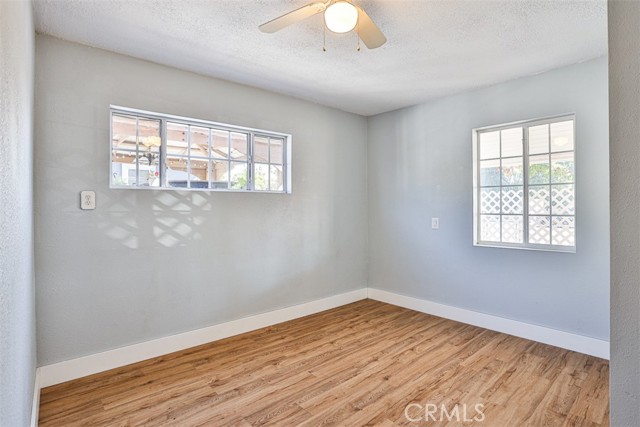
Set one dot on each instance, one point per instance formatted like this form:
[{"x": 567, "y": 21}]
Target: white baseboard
[
  {"x": 76, "y": 368},
  {"x": 562, "y": 339},
  {"x": 35, "y": 404}
]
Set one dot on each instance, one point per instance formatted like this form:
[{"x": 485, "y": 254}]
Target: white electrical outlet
[
  {"x": 435, "y": 223},
  {"x": 87, "y": 200}
]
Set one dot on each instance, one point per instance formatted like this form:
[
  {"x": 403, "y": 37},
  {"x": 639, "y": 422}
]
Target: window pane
[
  {"x": 199, "y": 173},
  {"x": 177, "y": 175},
  {"x": 276, "y": 178},
  {"x": 490, "y": 228},
  {"x": 260, "y": 177},
  {"x": 512, "y": 200},
  {"x": 563, "y": 231},
  {"x": 489, "y": 145},
  {"x": 219, "y": 174},
  {"x": 199, "y": 142},
  {"x": 149, "y": 174},
  {"x": 512, "y": 171},
  {"x": 177, "y": 135},
  {"x": 562, "y": 136},
  {"x": 219, "y": 143},
  {"x": 149, "y": 152},
  {"x": 539, "y": 139},
  {"x": 123, "y": 168},
  {"x": 239, "y": 175},
  {"x": 490, "y": 200},
  {"x": 239, "y": 146},
  {"x": 261, "y": 149},
  {"x": 539, "y": 230},
  {"x": 539, "y": 169},
  {"x": 276, "y": 145},
  {"x": 562, "y": 200},
  {"x": 512, "y": 142},
  {"x": 149, "y": 135},
  {"x": 562, "y": 168},
  {"x": 489, "y": 173},
  {"x": 512, "y": 229},
  {"x": 539, "y": 200},
  {"x": 123, "y": 131}
]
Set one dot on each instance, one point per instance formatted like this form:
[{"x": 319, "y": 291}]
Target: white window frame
[
  {"x": 525, "y": 124},
  {"x": 164, "y": 118}
]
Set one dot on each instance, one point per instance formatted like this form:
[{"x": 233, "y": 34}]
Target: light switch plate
[
  {"x": 87, "y": 200},
  {"x": 435, "y": 223}
]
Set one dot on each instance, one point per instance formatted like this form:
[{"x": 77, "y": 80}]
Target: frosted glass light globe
[{"x": 341, "y": 17}]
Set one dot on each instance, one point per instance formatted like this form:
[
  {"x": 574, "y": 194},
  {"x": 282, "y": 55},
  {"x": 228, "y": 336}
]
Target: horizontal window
[
  {"x": 524, "y": 185},
  {"x": 152, "y": 150}
]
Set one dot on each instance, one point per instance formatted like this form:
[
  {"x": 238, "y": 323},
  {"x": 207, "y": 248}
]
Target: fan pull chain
[
  {"x": 324, "y": 37},
  {"x": 358, "y": 33}
]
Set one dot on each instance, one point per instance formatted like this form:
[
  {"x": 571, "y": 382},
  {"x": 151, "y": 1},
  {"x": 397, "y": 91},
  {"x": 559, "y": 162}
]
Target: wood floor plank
[{"x": 356, "y": 365}]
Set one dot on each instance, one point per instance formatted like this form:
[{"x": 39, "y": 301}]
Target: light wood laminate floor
[{"x": 356, "y": 365}]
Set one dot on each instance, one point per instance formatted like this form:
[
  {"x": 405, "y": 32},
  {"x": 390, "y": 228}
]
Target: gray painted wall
[
  {"x": 148, "y": 264},
  {"x": 624, "y": 113},
  {"x": 17, "y": 304},
  {"x": 420, "y": 166}
]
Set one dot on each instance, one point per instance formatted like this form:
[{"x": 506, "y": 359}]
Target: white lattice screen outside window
[{"x": 524, "y": 185}]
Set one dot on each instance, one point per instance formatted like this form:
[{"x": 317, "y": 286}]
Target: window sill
[
  {"x": 550, "y": 248},
  {"x": 200, "y": 190}
]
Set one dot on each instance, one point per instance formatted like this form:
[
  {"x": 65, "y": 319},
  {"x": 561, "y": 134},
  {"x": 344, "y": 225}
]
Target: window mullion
[
  {"x": 500, "y": 217},
  {"x": 479, "y": 191},
  {"x": 525, "y": 181},
  {"x": 477, "y": 201},
  {"x": 269, "y": 164},
  {"x": 162, "y": 167},
  {"x": 228, "y": 160},
  {"x": 111, "y": 148},
  {"x": 550, "y": 189},
  {"x": 209, "y": 159},
  {"x": 137, "y": 151},
  {"x": 188, "y": 156},
  {"x": 285, "y": 171},
  {"x": 250, "y": 176}
]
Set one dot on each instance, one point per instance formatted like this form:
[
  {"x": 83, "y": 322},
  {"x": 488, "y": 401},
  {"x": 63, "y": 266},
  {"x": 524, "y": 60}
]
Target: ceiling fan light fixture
[{"x": 341, "y": 17}]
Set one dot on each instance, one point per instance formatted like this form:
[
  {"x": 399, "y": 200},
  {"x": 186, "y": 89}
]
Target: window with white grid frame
[
  {"x": 154, "y": 150},
  {"x": 524, "y": 192}
]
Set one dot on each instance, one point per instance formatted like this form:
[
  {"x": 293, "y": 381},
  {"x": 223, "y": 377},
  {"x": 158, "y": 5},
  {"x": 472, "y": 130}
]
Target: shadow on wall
[
  {"x": 172, "y": 220},
  {"x": 247, "y": 242}
]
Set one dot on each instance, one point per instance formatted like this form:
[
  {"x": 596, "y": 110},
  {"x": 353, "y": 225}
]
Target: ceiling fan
[{"x": 340, "y": 16}]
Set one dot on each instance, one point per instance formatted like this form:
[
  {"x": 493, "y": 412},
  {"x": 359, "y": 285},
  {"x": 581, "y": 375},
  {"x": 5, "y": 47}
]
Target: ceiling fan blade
[
  {"x": 368, "y": 31},
  {"x": 292, "y": 17}
]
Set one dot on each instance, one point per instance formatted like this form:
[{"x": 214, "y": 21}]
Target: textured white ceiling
[{"x": 434, "y": 48}]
